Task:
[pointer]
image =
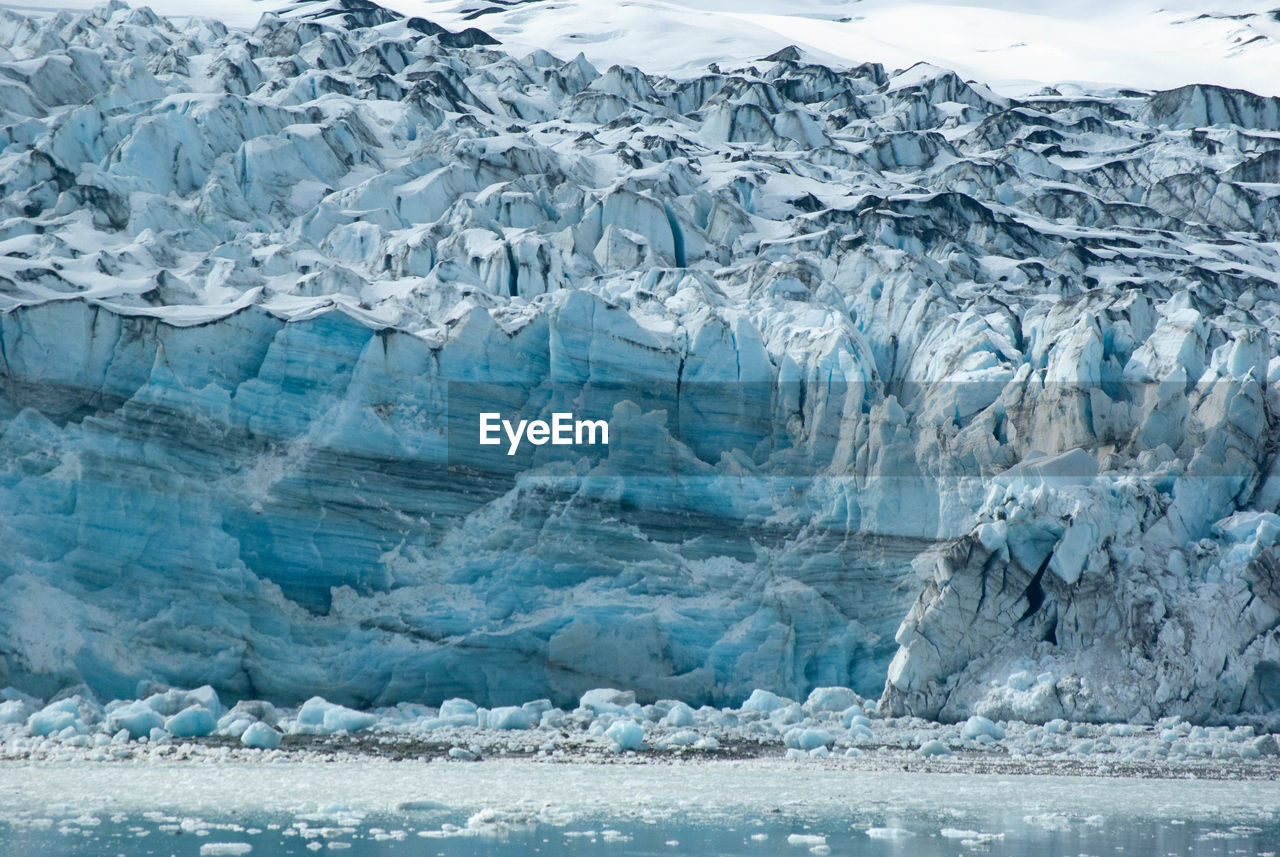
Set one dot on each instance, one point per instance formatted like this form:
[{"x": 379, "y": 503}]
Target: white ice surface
[
  {"x": 1014, "y": 46},
  {"x": 698, "y": 789}
]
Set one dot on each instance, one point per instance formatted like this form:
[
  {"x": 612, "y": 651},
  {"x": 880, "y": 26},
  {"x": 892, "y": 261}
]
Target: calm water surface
[{"x": 60, "y": 830}]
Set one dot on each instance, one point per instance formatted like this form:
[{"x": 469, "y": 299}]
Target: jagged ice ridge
[{"x": 1018, "y": 361}]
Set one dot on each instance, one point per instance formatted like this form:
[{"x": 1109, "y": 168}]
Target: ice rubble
[
  {"x": 892, "y": 345},
  {"x": 78, "y": 728}
]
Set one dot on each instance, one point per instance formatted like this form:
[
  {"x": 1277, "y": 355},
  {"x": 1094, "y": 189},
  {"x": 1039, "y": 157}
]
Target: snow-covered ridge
[
  {"x": 1015, "y": 46},
  {"x": 1021, "y": 358}
]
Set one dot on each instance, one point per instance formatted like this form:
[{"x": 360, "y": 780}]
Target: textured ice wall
[{"x": 1018, "y": 363}]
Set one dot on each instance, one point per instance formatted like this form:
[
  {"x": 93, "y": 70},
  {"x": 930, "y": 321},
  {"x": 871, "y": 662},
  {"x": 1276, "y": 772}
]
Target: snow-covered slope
[
  {"x": 1015, "y": 46},
  {"x": 869, "y": 340}
]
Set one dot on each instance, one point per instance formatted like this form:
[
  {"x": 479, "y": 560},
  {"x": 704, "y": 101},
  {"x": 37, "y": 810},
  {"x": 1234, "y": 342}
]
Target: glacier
[{"x": 963, "y": 401}]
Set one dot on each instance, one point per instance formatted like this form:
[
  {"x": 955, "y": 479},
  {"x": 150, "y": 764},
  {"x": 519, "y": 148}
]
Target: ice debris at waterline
[
  {"x": 888, "y": 345},
  {"x": 608, "y": 725}
]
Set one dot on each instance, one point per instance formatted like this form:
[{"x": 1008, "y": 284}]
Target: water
[
  {"x": 506, "y": 808},
  {"x": 446, "y": 833}
]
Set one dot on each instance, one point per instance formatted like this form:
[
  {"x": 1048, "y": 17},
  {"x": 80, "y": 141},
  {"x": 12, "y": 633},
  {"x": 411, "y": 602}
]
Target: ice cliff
[{"x": 880, "y": 344}]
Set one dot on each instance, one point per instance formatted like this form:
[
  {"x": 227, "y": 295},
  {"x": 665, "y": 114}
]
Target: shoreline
[{"x": 491, "y": 748}]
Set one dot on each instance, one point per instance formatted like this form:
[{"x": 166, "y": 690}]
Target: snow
[{"x": 1015, "y": 46}]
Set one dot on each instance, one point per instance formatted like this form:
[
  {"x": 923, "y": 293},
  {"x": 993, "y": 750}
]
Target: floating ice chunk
[
  {"x": 318, "y": 716},
  {"x": 679, "y": 715},
  {"x": 455, "y": 707},
  {"x": 1056, "y": 726},
  {"x": 807, "y": 839},
  {"x": 766, "y": 702},
  {"x": 607, "y": 700},
  {"x": 51, "y": 719},
  {"x": 626, "y": 735},
  {"x": 855, "y": 716},
  {"x": 509, "y": 717},
  {"x": 537, "y": 708},
  {"x": 256, "y": 709},
  {"x": 193, "y": 722},
  {"x": 888, "y": 833},
  {"x": 137, "y": 717},
  {"x": 970, "y": 838},
  {"x": 831, "y": 699},
  {"x": 787, "y": 715},
  {"x": 171, "y": 702},
  {"x": 462, "y": 754},
  {"x": 74, "y": 713},
  {"x": 957, "y": 833},
  {"x": 233, "y": 725},
  {"x": 422, "y": 805},
  {"x": 222, "y": 849},
  {"x": 977, "y": 726},
  {"x": 456, "y": 712},
  {"x": 260, "y": 736},
  {"x": 14, "y": 711},
  {"x": 808, "y": 739},
  {"x": 490, "y": 822},
  {"x": 858, "y": 732},
  {"x": 934, "y": 748}
]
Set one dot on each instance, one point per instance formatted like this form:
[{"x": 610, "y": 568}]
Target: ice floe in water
[{"x": 723, "y": 807}]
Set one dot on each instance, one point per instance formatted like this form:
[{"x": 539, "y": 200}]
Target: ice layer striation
[{"x": 963, "y": 402}]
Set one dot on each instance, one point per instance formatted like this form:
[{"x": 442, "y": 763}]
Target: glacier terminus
[{"x": 967, "y": 403}]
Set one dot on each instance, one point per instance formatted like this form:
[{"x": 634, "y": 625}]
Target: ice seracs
[{"x": 958, "y": 402}]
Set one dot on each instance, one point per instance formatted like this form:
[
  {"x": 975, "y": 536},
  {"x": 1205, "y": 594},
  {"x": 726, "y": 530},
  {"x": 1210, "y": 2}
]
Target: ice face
[{"x": 873, "y": 344}]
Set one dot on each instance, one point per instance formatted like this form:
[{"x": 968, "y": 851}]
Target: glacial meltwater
[
  {"x": 503, "y": 807},
  {"x": 446, "y": 833}
]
